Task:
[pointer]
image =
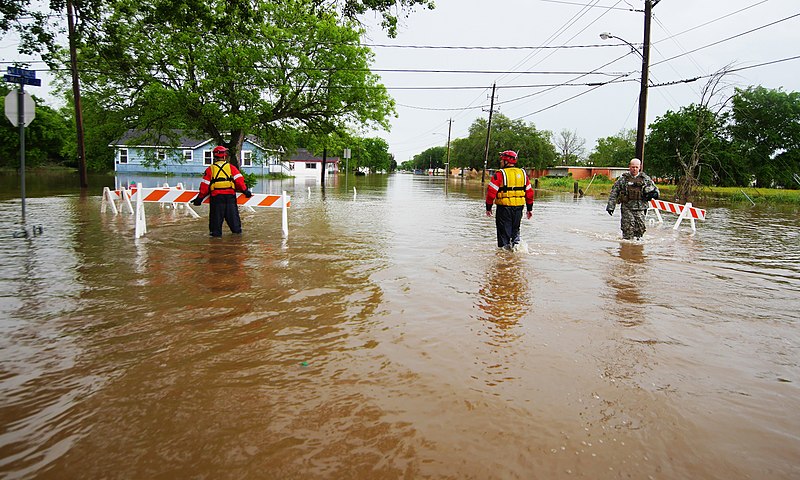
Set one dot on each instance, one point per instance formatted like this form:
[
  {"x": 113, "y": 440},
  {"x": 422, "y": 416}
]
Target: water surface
[{"x": 387, "y": 337}]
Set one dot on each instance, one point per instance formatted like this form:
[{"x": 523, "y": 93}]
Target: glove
[
  {"x": 197, "y": 201},
  {"x": 247, "y": 193},
  {"x": 610, "y": 210}
]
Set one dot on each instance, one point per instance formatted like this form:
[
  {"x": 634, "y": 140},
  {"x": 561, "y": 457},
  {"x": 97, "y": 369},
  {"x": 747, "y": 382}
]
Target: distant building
[
  {"x": 188, "y": 155},
  {"x": 578, "y": 172},
  {"x": 303, "y": 163}
]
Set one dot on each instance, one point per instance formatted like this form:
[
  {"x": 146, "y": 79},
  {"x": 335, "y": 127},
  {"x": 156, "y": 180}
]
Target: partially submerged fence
[
  {"x": 180, "y": 198},
  {"x": 683, "y": 211}
]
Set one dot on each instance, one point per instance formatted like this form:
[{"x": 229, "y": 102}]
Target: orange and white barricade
[
  {"x": 183, "y": 197},
  {"x": 683, "y": 211},
  {"x": 110, "y": 197}
]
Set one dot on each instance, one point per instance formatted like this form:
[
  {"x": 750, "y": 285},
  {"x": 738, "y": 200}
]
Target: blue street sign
[
  {"x": 22, "y": 80},
  {"x": 21, "y": 72}
]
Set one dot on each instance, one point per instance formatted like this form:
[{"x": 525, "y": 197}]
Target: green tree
[
  {"x": 45, "y": 137},
  {"x": 38, "y": 25},
  {"x": 614, "y": 151},
  {"x": 765, "y": 133},
  {"x": 534, "y": 146},
  {"x": 687, "y": 144},
  {"x": 101, "y": 127},
  {"x": 375, "y": 155},
  {"x": 432, "y": 158},
  {"x": 226, "y": 69}
]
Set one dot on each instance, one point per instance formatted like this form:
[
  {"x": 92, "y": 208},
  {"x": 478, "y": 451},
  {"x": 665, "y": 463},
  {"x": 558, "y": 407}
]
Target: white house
[
  {"x": 135, "y": 152},
  {"x": 303, "y": 163}
]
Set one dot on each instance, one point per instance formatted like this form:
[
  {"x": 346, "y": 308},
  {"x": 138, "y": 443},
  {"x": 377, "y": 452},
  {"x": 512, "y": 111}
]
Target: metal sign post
[
  {"x": 21, "y": 113},
  {"x": 346, "y": 166}
]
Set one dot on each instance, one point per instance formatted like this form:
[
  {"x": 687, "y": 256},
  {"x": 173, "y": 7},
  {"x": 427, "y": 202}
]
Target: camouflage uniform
[{"x": 633, "y": 193}]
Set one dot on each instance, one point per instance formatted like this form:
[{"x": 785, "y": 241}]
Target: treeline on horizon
[{"x": 751, "y": 138}]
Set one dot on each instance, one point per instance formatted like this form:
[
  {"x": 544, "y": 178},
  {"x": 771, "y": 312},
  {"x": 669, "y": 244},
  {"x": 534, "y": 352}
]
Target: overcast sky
[
  {"x": 680, "y": 29},
  {"x": 690, "y": 38}
]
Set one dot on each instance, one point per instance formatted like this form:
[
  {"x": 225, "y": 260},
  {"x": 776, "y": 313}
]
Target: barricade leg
[
  {"x": 141, "y": 222},
  {"x": 284, "y": 215},
  {"x": 190, "y": 211},
  {"x": 685, "y": 213},
  {"x": 108, "y": 199},
  {"x": 125, "y": 199}
]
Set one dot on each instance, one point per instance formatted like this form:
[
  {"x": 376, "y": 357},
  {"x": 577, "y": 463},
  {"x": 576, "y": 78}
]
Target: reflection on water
[
  {"x": 627, "y": 278},
  {"x": 505, "y": 297},
  {"x": 388, "y": 337}
]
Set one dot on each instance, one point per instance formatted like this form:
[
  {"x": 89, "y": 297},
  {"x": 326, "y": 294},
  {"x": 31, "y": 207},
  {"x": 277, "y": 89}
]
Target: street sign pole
[
  {"x": 22, "y": 77},
  {"x": 21, "y": 121}
]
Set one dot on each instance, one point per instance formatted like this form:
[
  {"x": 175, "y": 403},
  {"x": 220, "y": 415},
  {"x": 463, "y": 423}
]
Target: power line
[
  {"x": 693, "y": 79},
  {"x": 726, "y": 39},
  {"x": 480, "y": 47},
  {"x": 713, "y": 21},
  {"x": 631, "y": 9}
]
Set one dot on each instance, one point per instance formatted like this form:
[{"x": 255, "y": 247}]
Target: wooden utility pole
[
  {"x": 447, "y": 163},
  {"x": 641, "y": 126},
  {"x": 324, "y": 164},
  {"x": 488, "y": 136},
  {"x": 76, "y": 93}
]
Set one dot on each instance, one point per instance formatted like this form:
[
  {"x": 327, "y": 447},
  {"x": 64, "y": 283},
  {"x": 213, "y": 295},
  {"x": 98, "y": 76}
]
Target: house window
[
  {"x": 207, "y": 157},
  {"x": 123, "y": 155},
  {"x": 161, "y": 155},
  {"x": 247, "y": 158},
  {"x": 312, "y": 166},
  {"x": 187, "y": 155}
]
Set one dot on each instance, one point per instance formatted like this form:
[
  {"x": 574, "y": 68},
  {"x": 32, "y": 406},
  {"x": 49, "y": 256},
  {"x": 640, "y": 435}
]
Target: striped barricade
[
  {"x": 683, "y": 211},
  {"x": 123, "y": 196},
  {"x": 183, "y": 197}
]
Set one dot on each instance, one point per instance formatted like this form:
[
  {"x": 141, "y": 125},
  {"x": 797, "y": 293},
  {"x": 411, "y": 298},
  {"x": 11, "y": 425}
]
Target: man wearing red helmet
[
  {"x": 511, "y": 191},
  {"x": 222, "y": 180}
]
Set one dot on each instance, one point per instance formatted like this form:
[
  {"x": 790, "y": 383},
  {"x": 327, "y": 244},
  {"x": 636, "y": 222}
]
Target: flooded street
[{"x": 387, "y": 337}]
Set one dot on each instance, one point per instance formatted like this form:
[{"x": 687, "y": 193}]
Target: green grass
[{"x": 601, "y": 186}]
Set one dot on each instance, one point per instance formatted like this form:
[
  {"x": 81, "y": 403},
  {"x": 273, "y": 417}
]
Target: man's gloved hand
[
  {"x": 197, "y": 201},
  {"x": 610, "y": 210},
  {"x": 247, "y": 193}
]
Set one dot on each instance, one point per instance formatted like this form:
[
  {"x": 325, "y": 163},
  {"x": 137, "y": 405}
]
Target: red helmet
[
  {"x": 220, "y": 152},
  {"x": 509, "y": 156}
]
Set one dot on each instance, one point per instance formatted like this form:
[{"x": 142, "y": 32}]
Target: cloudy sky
[
  {"x": 690, "y": 38},
  {"x": 542, "y": 54}
]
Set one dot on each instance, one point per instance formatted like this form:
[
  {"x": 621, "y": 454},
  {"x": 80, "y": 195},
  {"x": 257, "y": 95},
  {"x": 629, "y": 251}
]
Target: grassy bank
[{"x": 601, "y": 186}]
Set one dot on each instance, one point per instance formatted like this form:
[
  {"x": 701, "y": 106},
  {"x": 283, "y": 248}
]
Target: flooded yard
[{"x": 388, "y": 337}]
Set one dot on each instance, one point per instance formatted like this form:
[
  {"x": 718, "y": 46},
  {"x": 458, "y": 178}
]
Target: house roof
[
  {"x": 303, "y": 155},
  {"x": 139, "y": 138},
  {"x": 144, "y": 139}
]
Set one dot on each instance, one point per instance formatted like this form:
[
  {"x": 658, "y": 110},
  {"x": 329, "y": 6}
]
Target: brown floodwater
[{"x": 387, "y": 337}]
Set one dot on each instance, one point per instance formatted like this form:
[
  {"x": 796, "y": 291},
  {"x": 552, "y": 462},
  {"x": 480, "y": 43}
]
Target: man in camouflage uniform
[{"x": 633, "y": 190}]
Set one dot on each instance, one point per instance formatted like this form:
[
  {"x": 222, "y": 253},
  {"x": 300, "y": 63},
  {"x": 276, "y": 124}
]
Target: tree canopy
[
  {"x": 756, "y": 140},
  {"x": 614, "y": 151},
  {"x": 46, "y": 138},
  {"x": 765, "y": 133},
  {"x": 534, "y": 146},
  {"x": 228, "y": 69}
]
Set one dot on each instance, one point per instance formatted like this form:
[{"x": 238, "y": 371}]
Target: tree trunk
[{"x": 235, "y": 147}]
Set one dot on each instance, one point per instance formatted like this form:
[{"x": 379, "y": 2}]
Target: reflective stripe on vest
[
  {"x": 222, "y": 179},
  {"x": 512, "y": 193}
]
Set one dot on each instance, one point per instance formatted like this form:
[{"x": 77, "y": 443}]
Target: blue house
[{"x": 137, "y": 152}]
